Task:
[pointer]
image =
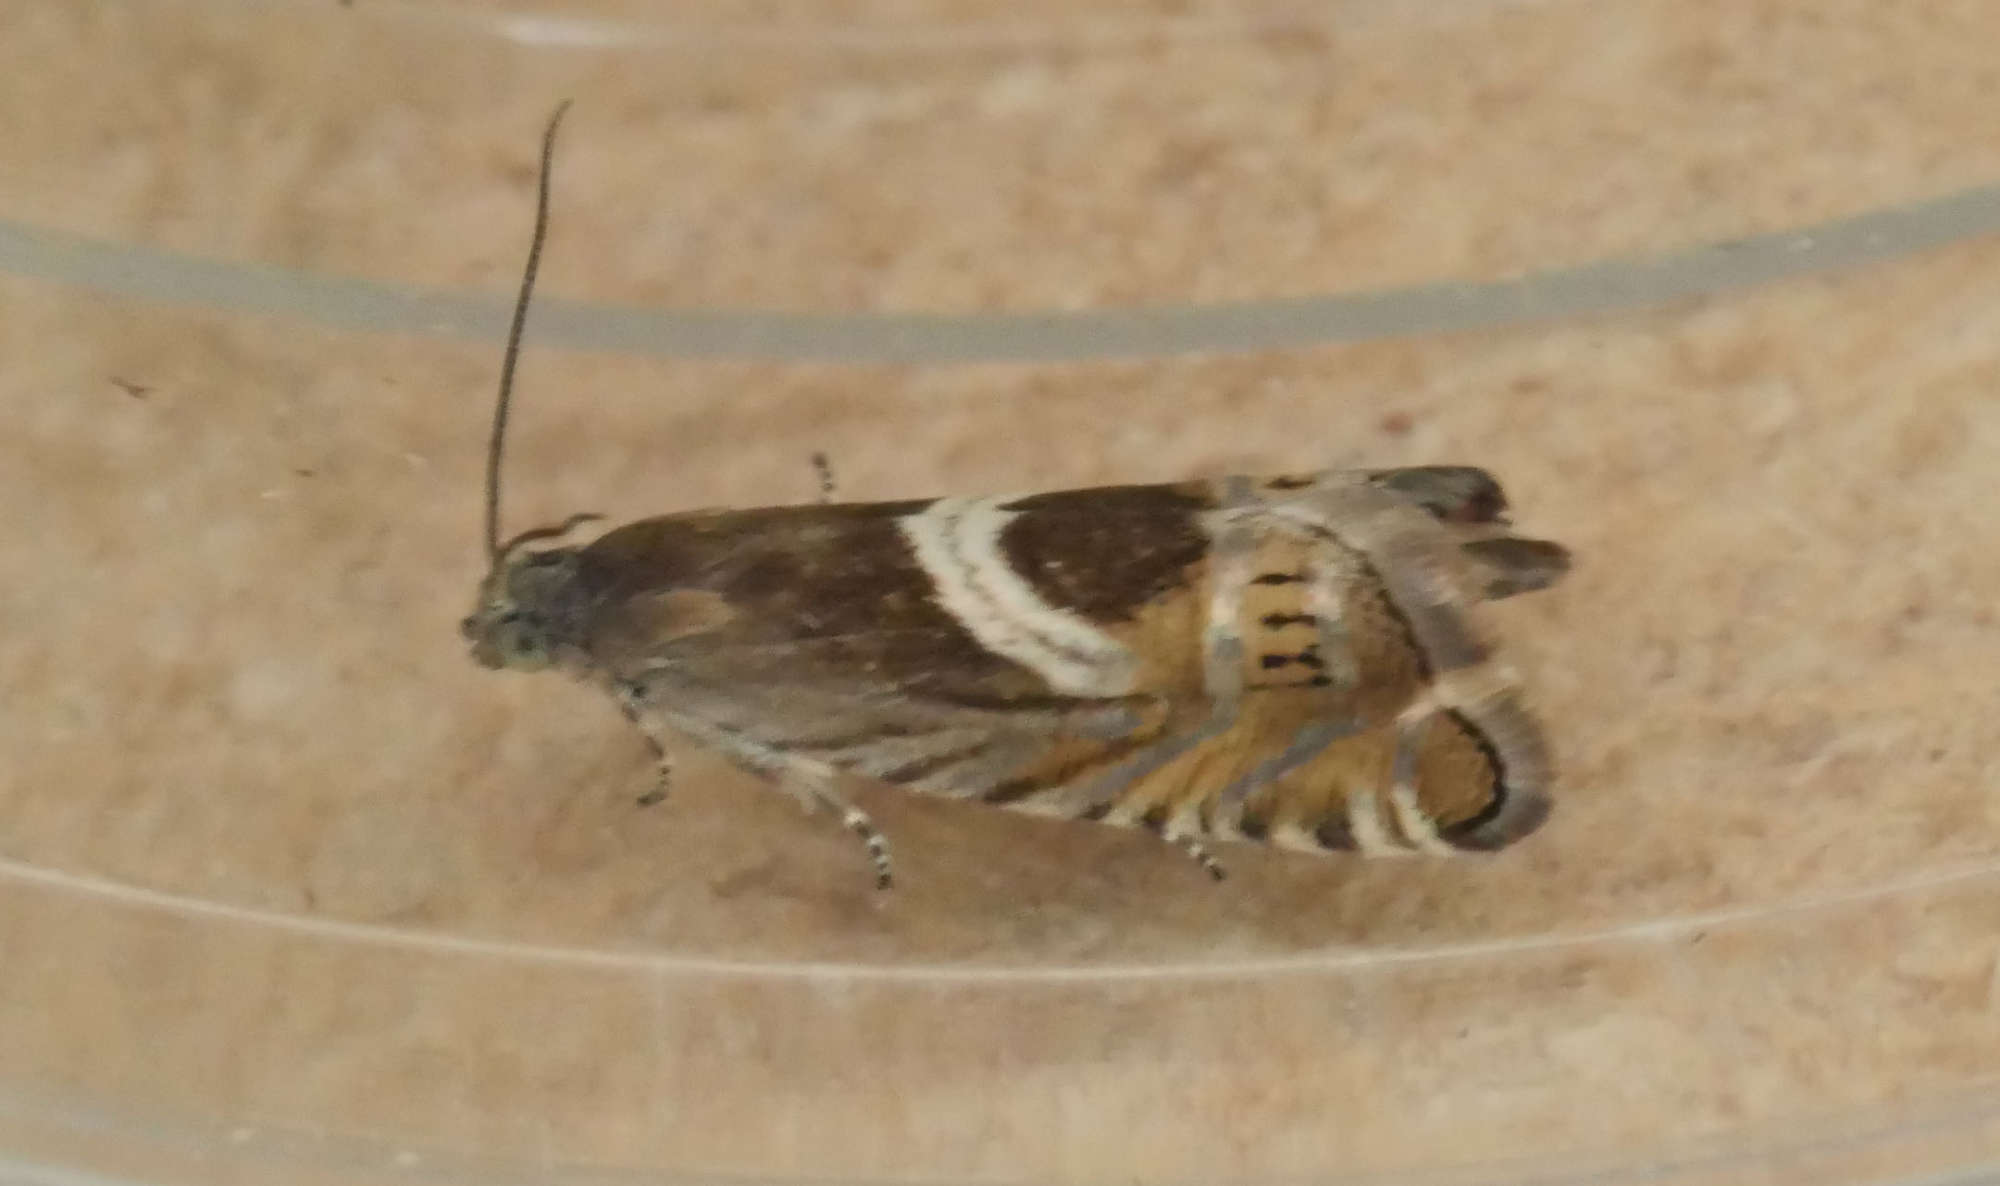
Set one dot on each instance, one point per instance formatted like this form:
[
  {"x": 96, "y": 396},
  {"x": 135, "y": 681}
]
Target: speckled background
[{"x": 289, "y": 889}]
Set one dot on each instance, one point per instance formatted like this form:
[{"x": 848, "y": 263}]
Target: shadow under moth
[{"x": 1283, "y": 660}]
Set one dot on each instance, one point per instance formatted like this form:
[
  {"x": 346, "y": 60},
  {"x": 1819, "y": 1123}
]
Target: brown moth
[{"x": 1284, "y": 660}]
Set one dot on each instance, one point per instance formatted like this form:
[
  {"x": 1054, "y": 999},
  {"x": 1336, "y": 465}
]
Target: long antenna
[{"x": 497, "y": 444}]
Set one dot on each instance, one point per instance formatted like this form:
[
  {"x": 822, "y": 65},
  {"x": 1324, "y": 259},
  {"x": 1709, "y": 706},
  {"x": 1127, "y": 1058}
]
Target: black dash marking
[
  {"x": 1320, "y": 681},
  {"x": 841, "y": 741},
  {"x": 1288, "y": 483},
  {"x": 135, "y": 390},
  {"x": 922, "y": 767},
  {"x": 1310, "y": 657},
  {"x": 1278, "y": 578},
  {"x": 1495, "y": 804},
  {"x": 1275, "y": 621},
  {"x": 1273, "y": 662},
  {"x": 1025, "y": 703},
  {"x": 1012, "y": 791}
]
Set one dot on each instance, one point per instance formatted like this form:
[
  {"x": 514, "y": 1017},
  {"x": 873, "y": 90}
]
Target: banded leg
[
  {"x": 631, "y": 698},
  {"x": 813, "y": 789},
  {"x": 1176, "y": 835},
  {"x": 823, "y": 471},
  {"x": 856, "y": 821},
  {"x": 809, "y": 782}
]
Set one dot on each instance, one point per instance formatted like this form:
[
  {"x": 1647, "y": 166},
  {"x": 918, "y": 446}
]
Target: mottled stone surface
[{"x": 290, "y": 890}]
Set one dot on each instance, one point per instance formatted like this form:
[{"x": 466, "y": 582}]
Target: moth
[{"x": 1286, "y": 660}]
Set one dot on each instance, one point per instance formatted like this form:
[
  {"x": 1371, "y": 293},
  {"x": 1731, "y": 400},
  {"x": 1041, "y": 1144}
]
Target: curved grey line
[
  {"x": 153, "y": 274},
  {"x": 555, "y": 30},
  {"x": 578, "y": 33},
  {"x": 1347, "y": 960},
  {"x": 255, "y": 1146}
]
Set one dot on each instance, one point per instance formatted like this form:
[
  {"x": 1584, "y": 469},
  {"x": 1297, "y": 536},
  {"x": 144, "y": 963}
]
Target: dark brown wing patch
[
  {"x": 1106, "y": 553},
  {"x": 835, "y": 591}
]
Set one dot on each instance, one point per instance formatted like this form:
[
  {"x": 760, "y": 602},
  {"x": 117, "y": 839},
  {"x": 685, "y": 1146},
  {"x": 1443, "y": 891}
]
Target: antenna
[{"x": 497, "y": 444}]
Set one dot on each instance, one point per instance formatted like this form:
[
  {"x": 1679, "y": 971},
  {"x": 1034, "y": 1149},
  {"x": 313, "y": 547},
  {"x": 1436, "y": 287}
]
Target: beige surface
[{"x": 290, "y": 887}]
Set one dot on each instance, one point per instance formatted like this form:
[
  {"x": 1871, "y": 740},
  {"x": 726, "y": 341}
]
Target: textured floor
[{"x": 290, "y": 889}]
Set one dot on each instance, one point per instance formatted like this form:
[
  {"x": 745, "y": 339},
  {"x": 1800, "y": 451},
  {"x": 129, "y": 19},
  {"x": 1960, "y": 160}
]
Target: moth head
[{"x": 529, "y": 604}]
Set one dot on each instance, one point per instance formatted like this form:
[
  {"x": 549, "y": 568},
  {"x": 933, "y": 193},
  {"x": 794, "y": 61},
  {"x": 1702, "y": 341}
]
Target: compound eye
[{"x": 521, "y": 643}]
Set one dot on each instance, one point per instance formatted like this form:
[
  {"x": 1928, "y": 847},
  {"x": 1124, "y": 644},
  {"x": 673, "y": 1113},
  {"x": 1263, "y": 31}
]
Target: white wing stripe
[{"x": 957, "y": 542}]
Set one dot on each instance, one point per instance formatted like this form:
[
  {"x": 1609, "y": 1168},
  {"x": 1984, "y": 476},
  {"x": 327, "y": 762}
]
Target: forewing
[{"x": 945, "y": 646}]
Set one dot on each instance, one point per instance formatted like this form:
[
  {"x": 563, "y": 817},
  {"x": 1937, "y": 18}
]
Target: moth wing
[
  {"x": 877, "y": 638},
  {"x": 821, "y": 632}
]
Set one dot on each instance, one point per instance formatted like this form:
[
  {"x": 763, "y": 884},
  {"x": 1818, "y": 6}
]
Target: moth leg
[
  {"x": 631, "y": 698},
  {"x": 808, "y": 781},
  {"x": 1190, "y": 844},
  {"x": 813, "y": 792},
  {"x": 823, "y": 471},
  {"x": 857, "y": 822},
  {"x": 663, "y": 778},
  {"x": 810, "y": 784}
]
